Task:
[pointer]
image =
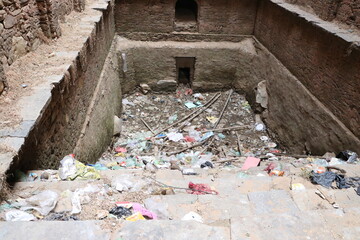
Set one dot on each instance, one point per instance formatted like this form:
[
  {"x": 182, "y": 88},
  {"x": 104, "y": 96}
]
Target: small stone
[
  {"x": 145, "y": 88},
  {"x": 45, "y": 176},
  {"x": 9, "y": 21},
  {"x": 101, "y": 214},
  {"x": 166, "y": 85}
]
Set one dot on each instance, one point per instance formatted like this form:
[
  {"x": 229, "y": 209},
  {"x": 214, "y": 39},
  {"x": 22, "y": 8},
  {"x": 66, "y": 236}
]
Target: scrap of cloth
[{"x": 200, "y": 189}]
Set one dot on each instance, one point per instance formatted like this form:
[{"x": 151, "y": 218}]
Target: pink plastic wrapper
[{"x": 139, "y": 208}]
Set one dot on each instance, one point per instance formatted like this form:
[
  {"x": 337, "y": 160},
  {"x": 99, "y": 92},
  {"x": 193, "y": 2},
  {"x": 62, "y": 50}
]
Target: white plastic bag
[
  {"x": 17, "y": 215},
  {"x": 192, "y": 216},
  {"x": 44, "y": 202},
  {"x": 67, "y": 167}
]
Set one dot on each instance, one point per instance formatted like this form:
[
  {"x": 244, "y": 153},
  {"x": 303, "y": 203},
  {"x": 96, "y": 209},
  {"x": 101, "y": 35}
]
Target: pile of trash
[{"x": 186, "y": 130}]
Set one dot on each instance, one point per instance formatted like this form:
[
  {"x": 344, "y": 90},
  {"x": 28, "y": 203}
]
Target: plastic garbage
[
  {"x": 192, "y": 216},
  {"x": 17, "y": 215},
  {"x": 143, "y": 211},
  {"x": 207, "y": 164},
  {"x": 67, "y": 166},
  {"x": 199, "y": 96},
  {"x": 324, "y": 179},
  {"x": 120, "y": 150},
  {"x": 191, "y": 105},
  {"x": 348, "y": 156},
  {"x": 120, "y": 211},
  {"x": 222, "y": 136},
  {"x": 298, "y": 187},
  {"x": 200, "y": 189},
  {"x": 71, "y": 169},
  {"x": 189, "y": 139},
  {"x": 250, "y": 162},
  {"x": 188, "y": 171},
  {"x": 260, "y": 127},
  {"x": 212, "y": 119},
  {"x": 175, "y": 137},
  {"x": 127, "y": 102},
  {"x": 81, "y": 196},
  {"x": 206, "y": 136},
  {"x": 135, "y": 217},
  {"x": 122, "y": 184},
  {"x": 43, "y": 202},
  {"x": 172, "y": 119},
  {"x": 195, "y": 135}
]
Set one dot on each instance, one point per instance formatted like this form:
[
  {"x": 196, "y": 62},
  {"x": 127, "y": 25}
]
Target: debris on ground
[{"x": 191, "y": 134}]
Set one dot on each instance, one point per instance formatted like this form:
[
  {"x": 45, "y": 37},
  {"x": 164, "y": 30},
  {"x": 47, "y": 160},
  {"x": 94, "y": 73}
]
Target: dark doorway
[
  {"x": 185, "y": 69},
  {"x": 186, "y": 15},
  {"x": 184, "y": 76},
  {"x": 186, "y": 11}
]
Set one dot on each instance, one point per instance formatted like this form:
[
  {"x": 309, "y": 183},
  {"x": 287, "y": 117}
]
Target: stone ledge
[{"x": 33, "y": 106}]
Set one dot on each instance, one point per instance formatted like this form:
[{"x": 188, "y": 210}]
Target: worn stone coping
[
  {"x": 33, "y": 106},
  {"x": 332, "y": 28}
]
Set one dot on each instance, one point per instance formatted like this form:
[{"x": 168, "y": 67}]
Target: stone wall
[
  {"x": 67, "y": 120},
  {"x": 24, "y": 23},
  {"x": 296, "y": 118},
  {"x": 218, "y": 65},
  {"x": 19, "y": 29},
  {"x": 214, "y": 16},
  {"x": 345, "y": 11},
  {"x": 2, "y": 79},
  {"x": 323, "y": 58}
]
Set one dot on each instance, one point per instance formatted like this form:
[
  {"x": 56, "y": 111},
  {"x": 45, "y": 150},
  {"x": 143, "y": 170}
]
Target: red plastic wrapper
[
  {"x": 200, "y": 189},
  {"x": 189, "y": 139}
]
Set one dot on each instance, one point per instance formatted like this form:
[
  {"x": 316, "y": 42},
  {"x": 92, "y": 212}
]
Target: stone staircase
[{"x": 253, "y": 206}]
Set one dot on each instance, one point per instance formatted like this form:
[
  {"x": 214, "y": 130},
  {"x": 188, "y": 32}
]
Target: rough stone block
[
  {"x": 165, "y": 86},
  {"x": 275, "y": 201},
  {"x": 171, "y": 230},
  {"x": 80, "y": 230}
]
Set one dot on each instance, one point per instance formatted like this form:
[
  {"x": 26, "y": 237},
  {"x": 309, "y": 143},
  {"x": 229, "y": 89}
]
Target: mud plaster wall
[
  {"x": 327, "y": 65},
  {"x": 345, "y": 11},
  {"x": 217, "y": 66},
  {"x": 214, "y": 16},
  {"x": 60, "y": 127}
]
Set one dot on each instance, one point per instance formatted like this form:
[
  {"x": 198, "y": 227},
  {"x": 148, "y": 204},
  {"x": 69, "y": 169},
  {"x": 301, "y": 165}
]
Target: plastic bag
[
  {"x": 71, "y": 169},
  {"x": 80, "y": 196},
  {"x": 44, "y": 202},
  {"x": 144, "y": 212},
  {"x": 67, "y": 167},
  {"x": 17, "y": 215},
  {"x": 192, "y": 216}
]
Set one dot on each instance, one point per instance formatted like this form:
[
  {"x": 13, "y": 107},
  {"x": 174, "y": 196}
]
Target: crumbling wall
[
  {"x": 19, "y": 29},
  {"x": 24, "y": 23},
  {"x": 345, "y": 11},
  {"x": 325, "y": 60},
  {"x": 214, "y": 16},
  {"x": 51, "y": 12},
  {"x": 62, "y": 123}
]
